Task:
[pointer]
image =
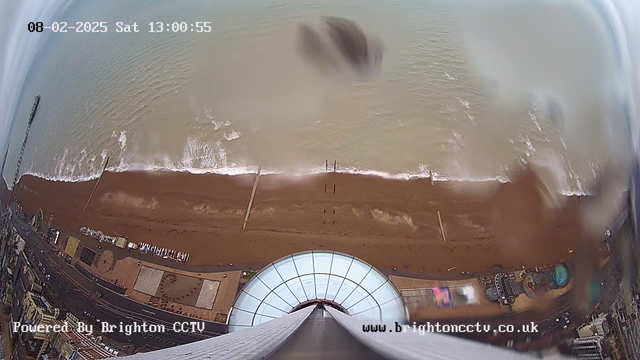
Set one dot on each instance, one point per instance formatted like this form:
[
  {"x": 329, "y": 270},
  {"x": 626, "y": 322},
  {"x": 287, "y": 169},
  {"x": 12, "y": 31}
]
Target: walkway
[{"x": 321, "y": 337}]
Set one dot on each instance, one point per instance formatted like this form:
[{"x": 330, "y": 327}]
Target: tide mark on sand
[
  {"x": 121, "y": 198},
  {"x": 386, "y": 218}
]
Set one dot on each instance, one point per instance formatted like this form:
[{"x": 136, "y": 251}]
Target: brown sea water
[{"x": 242, "y": 95}]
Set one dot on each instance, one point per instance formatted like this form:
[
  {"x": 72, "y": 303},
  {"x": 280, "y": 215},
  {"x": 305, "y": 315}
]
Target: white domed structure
[{"x": 341, "y": 281}]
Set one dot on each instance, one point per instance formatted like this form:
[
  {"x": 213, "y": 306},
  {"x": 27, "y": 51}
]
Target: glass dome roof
[{"x": 347, "y": 282}]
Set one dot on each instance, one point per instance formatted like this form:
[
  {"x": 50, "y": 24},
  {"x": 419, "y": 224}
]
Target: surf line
[{"x": 253, "y": 194}]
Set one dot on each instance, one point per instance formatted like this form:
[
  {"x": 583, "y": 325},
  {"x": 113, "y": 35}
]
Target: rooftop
[
  {"x": 343, "y": 281},
  {"x": 87, "y": 347},
  {"x": 41, "y": 303}
]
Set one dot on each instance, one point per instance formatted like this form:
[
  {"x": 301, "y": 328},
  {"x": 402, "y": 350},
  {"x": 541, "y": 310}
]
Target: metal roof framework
[{"x": 340, "y": 280}]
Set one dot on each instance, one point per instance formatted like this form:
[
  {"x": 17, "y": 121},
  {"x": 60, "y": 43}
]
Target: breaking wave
[
  {"x": 200, "y": 157},
  {"x": 242, "y": 170},
  {"x": 233, "y": 170},
  {"x": 232, "y": 135}
]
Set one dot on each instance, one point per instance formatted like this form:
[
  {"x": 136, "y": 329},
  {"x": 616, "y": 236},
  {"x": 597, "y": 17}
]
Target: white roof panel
[{"x": 347, "y": 281}]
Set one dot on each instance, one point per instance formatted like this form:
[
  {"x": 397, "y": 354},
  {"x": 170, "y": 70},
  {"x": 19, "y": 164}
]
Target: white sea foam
[
  {"x": 464, "y": 103},
  {"x": 471, "y": 118},
  {"x": 63, "y": 178},
  {"x": 422, "y": 173},
  {"x": 446, "y": 74},
  {"x": 533, "y": 118},
  {"x": 83, "y": 155},
  {"x": 207, "y": 113},
  {"x": 563, "y": 144},
  {"x": 458, "y": 138},
  {"x": 530, "y": 146},
  {"x": 217, "y": 124},
  {"x": 203, "y": 155},
  {"x": 232, "y": 135},
  {"x": 122, "y": 140}
]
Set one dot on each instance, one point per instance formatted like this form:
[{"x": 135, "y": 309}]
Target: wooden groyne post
[
  {"x": 253, "y": 194},
  {"x": 444, "y": 237},
  {"x": 96, "y": 185}
]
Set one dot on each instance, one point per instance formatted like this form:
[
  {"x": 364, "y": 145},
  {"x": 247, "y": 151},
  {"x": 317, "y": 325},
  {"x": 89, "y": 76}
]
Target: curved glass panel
[{"x": 316, "y": 275}]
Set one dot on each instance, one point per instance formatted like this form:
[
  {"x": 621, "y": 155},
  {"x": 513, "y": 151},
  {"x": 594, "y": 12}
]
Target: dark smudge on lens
[{"x": 340, "y": 38}]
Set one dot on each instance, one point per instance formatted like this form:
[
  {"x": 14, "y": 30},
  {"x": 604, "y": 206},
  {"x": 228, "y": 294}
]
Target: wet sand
[{"x": 388, "y": 223}]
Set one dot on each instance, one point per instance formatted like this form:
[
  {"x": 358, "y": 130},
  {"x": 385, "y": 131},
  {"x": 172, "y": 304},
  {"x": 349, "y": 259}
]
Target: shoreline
[
  {"x": 301, "y": 172},
  {"x": 386, "y": 222},
  {"x": 249, "y": 170}
]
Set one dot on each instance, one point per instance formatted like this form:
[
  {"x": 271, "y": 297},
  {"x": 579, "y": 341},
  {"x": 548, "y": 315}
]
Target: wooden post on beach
[
  {"x": 334, "y": 165},
  {"x": 444, "y": 237},
  {"x": 326, "y": 165},
  {"x": 96, "y": 185},
  {"x": 253, "y": 194},
  {"x": 431, "y": 176}
]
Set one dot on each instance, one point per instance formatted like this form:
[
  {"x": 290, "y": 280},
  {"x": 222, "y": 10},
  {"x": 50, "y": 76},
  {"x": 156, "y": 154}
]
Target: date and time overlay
[{"x": 121, "y": 27}]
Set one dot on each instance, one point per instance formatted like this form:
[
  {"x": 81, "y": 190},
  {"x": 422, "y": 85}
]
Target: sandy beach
[{"x": 389, "y": 223}]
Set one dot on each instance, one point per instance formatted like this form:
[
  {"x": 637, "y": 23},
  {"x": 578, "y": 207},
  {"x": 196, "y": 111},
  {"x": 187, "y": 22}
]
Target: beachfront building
[
  {"x": 337, "y": 280},
  {"x": 37, "y": 311},
  {"x": 73, "y": 345},
  {"x": 591, "y": 347},
  {"x": 598, "y": 327},
  {"x": 503, "y": 289},
  {"x": 325, "y": 304}
]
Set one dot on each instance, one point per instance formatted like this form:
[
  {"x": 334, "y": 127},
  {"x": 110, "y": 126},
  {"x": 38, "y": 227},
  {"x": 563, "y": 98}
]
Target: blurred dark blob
[
  {"x": 343, "y": 39},
  {"x": 349, "y": 39},
  {"x": 312, "y": 46}
]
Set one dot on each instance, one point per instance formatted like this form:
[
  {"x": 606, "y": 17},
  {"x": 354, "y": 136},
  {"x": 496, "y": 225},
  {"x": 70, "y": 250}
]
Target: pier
[
  {"x": 7, "y": 218},
  {"x": 4, "y": 161},
  {"x": 24, "y": 143}
]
